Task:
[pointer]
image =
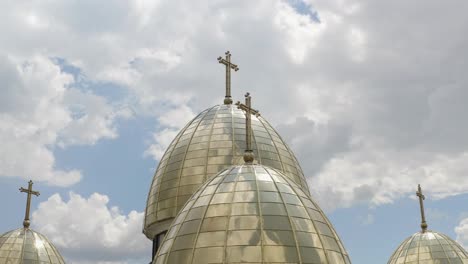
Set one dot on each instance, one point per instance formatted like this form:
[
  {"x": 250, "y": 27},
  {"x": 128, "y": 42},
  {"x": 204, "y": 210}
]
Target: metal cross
[
  {"x": 29, "y": 191},
  {"x": 247, "y": 107},
  {"x": 421, "y": 205},
  {"x": 229, "y": 66}
]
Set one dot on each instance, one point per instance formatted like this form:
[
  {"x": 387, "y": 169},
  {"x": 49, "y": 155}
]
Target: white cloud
[
  {"x": 462, "y": 232},
  {"x": 299, "y": 32},
  {"x": 31, "y": 114},
  {"x": 382, "y": 83},
  {"x": 173, "y": 120},
  {"x": 176, "y": 118},
  {"x": 88, "y": 230},
  {"x": 161, "y": 139},
  {"x": 39, "y": 110},
  {"x": 93, "y": 119}
]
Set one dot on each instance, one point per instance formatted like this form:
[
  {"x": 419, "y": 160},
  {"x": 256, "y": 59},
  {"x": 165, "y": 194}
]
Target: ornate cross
[
  {"x": 421, "y": 205},
  {"x": 247, "y": 107},
  {"x": 229, "y": 66},
  {"x": 29, "y": 191}
]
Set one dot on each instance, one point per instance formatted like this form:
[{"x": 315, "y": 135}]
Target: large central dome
[
  {"x": 251, "y": 214},
  {"x": 211, "y": 142}
]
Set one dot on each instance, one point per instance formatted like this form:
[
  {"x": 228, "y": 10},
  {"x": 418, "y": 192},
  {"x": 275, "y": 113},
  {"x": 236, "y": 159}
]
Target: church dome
[
  {"x": 251, "y": 214},
  {"x": 429, "y": 247},
  {"x": 24, "y": 245},
  {"x": 211, "y": 142}
]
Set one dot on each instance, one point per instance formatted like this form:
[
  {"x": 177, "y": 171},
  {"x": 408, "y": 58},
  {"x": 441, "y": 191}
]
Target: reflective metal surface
[
  {"x": 429, "y": 247},
  {"x": 25, "y": 246},
  {"x": 212, "y": 141},
  {"x": 251, "y": 214}
]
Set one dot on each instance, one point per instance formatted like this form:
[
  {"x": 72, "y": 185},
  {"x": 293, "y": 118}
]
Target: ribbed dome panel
[
  {"x": 24, "y": 245},
  {"x": 429, "y": 248},
  {"x": 251, "y": 214},
  {"x": 211, "y": 142}
]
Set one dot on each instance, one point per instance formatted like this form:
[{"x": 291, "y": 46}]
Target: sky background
[{"x": 370, "y": 95}]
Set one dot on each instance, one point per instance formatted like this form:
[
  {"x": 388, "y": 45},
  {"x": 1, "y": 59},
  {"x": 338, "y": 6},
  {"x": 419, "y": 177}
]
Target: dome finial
[
  {"x": 229, "y": 66},
  {"x": 29, "y": 191},
  {"x": 247, "y": 107},
  {"x": 421, "y": 205}
]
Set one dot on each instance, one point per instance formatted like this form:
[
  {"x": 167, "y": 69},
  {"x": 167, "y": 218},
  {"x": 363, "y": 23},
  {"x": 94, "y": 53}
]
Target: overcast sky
[{"x": 370, "y": 95}]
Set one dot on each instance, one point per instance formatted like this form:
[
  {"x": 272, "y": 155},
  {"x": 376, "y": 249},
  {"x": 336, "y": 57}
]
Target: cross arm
[
  {"x": 228, "y": 63},
  {"x": 246, "y": 108},
  {"x": 419, "y": 193},
  {"x": 28, "y": 191}
]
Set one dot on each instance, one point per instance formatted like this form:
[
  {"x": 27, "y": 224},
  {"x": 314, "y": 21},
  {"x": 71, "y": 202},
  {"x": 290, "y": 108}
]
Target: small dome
[
  {"x": 429, "y": 247},
  {"x": 24, "y": 245},
  {"x": 251, "y": 214},
  {"x": 211, "y": 142}
]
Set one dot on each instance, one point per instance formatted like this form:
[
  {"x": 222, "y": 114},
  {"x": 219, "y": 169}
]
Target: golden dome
[
  {"x": 24, "y": 245},
  {"x": 251, "y": 214},
  {"x": 429, "y": 247},
  {"x": 211, "y": 142}
]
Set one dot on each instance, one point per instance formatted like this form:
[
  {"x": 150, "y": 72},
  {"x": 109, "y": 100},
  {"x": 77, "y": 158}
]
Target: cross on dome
[
  {"x": 29, "y": 191},
  {"x": 247, "y": 107},
  {"x": 421, "y": 205},
  {"x": 229, "y": 65}
]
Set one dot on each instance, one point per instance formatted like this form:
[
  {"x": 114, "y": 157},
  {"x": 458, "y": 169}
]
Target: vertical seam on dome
[
  {"x": 342, "y": 248},
  {"x": 409, "y": 241},
  {"x": 443, "y": 249},
  {"x": 185, "y": 155},
  {"x": 48, "y": 255},
  {"x": 456, "y": 246},
  {"x": 260, "y": 214},
  {"x": 319, "y": 235},
  {"x": 37, "y": 251},
  {"x": 225, "y": 260},
  {"x": 398, "y": 250},
  {"x": 4, "y": 235},
  {"x": 233, "y": 159},
  {"x": 169, "y": 250},
  {"x": 24, "y": 242},
  {"x": 274, "y": 143},
  {"x": 419, "y": 248},
  {"x": 293, "y": 231},
  {"x": 298, "y": 171},
  {"x": 256, "y": 145},
  {"x": 209, "y": 143},
  {"x": 174, "y": 141},
  {"x": 22, "y": 248},
  {"x": 57, "y": 253},
  {"x": 279, "y": 153},
  {"x": 204, "y": 215},
  {"x": 154, "y": 179}
]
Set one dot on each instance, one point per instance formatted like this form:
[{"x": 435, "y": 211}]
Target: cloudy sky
[{"x": 370, "y": 95}]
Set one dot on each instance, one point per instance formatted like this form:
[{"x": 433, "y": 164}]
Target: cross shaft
[
  {"x": 229, "y": 65},
  {"x": 421, "y": 205},
  {"x": 30, "y": 192},
  {"x": 247, "y": 107}
]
